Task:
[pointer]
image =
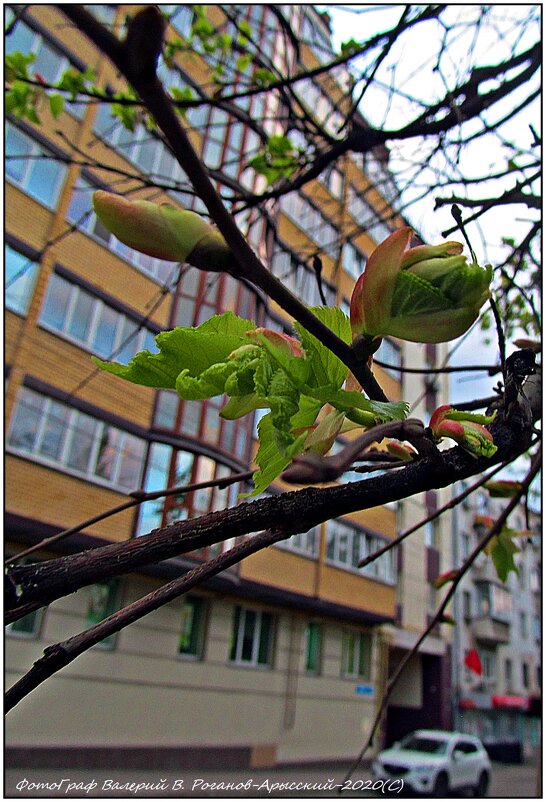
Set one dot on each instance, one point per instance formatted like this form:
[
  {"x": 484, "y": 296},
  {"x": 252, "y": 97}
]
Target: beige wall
[{"x": 141, "y": 692}]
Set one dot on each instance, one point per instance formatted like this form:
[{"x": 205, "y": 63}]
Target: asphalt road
[{"x": 507, "y": 781}]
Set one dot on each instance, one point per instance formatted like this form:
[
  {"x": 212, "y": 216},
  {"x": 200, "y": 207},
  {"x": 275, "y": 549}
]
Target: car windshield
[{"x": 419, "y": 743}]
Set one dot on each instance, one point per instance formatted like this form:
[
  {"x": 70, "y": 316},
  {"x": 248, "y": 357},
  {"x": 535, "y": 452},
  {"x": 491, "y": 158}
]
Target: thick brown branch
[{"x": 295, "y": 512}]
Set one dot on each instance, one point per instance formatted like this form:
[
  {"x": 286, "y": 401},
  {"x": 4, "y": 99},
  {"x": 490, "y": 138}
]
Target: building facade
[
  {"x": 264, "y": 663},
  {"x": 499, "y": 698}
]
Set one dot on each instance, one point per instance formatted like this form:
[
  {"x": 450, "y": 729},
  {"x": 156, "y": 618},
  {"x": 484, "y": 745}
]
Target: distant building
[
  {"x": 500, "y": 699},
  {"x": 284, "y": 657}
]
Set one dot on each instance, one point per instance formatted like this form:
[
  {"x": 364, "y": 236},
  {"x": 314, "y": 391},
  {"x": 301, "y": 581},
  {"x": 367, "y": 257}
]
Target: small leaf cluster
[
  {"x": 228, "y": 356},
  {"x": 27, "y": 95},
  {"x": 278, "y": 159}
]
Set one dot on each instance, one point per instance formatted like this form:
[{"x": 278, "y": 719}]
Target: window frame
[
  {"x": 313, "y": 649},
  {"x": 361, "y": 651},
  {"x": 197, "y": 641},
  {"x": 70, "y": 426},
  {"x": 240, "y": 614},
  {"x": 36, "y": 148},
  {"x": 29, "y": 275},
  {"x": 99, "y": 305}
]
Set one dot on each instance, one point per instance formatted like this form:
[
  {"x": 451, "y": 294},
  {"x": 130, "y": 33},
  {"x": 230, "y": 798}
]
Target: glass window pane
[
  {"x": 80, "y": 209},
  {"x": 56, "y": 303},
  {"x": 130, "y": 462},
  {"x": 157, "y": 476},
  {"x": 264, "y": 647},
  {"x": 191, "y": 635},
  {"x": 54, "y": 430},
  {"x": 248, "y": 635},
  {"x": 27, "y": 625},
  {"x": 166, "y": 409},
  {"x": 82, "y": 316},
  {"x": 128, "y": 340},
  {"x": 20, "y": 39},
  {"x": 20, "y": 276},
  {"x": 102, "y": 602},
  {"x": 83, "y": 436},
  {"x": 17, "y": 144},
  {"x": 235, "y": 633},
  {"x": 107, "y": 453},
  {"x": 105, "y": 334},
  {"x": 49, "y": 63},
  {"x": 25, "y": 420},
  {"x": 44, "y": 180}
]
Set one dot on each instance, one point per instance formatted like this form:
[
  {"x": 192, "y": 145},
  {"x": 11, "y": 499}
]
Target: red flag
[{"x": 473, "y": 662}]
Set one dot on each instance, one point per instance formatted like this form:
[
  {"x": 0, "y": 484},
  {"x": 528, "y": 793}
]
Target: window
[
  {"x": 356, "y": 654},
  {"x": 313, "y": 648},
  {"x": 20, "y": 277},
  {"x": 26, "y": 627},
  {"x": 346, "y": 546},
  {"x": 523, "y": 627},
  {"x": 525, "y": 675},
  {"x": 366, "y": 216},
  {"x": 169, "y": 467},
  {"x": 300, "y": 279},
  {"x": 81, "y": 316},
  {"x": 252, "y": 637},
  {"x": 55, "y": 433},
  {"x": 40, "y": 178},
  {"x": 390, "y": 353},
  {"x": 489, "y": 666},
  {"x": 508, "y": 671},
  {"x": 467, "y": 604},
  {"x": 102, "y": 601},
  {"x": 302, "y": 543},
  {"x": 192, "y": 630},
  {"x": 29, "y": 625},
  {"x": 354, "y": 261},
  {"x": 49, "y": 62},
  {"x": 466, "y": 545},
  {"x": 311, "y": 221},
  {"x": 431, "y": 534}
]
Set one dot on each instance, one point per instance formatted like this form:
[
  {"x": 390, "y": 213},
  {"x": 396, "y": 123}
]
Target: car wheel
[
  {"x": 480, "y": 789},
  {"x": 441, "y": 785}
]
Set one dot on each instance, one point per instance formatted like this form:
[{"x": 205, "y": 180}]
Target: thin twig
[{"x": 138, "y": 497}]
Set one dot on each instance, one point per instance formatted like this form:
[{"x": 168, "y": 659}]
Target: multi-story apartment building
[
  {"x": 498, "y": 698},
  {"x": 285, "y": 657}
]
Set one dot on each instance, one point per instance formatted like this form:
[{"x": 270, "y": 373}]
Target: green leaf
[
  {"x": 191, "y": 349},
  {"x": 264, "y": 77},
  {"x": 414, "y": 295},
  {"x": 208, "y": 384},
  {"x": 502, "y": 549},
  {"x": 56, "y": 105},
  {"x": 16, "y": 65},
  {"x": 271, "y": 459},
  {"x": 326, "y": 368},
  {"x": 359, "y": 408},
  {"x": 241, "y": 405}
]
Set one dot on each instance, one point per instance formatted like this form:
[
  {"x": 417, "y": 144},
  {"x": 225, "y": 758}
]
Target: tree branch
[{"x": 296, "y": 512}]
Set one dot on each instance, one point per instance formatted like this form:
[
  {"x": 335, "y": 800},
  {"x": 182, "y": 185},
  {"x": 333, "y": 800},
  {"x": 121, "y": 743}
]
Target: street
[{"x": 508, "y": 781}]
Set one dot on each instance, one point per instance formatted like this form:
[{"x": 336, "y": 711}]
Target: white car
[{"x": 433, "y": 762}]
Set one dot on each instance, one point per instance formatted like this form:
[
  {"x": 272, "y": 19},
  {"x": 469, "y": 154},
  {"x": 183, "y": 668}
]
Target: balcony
[{"x": 491, "y": 631}]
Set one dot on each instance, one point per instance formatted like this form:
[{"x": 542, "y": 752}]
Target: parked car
[{"x": 433, "y": 762}]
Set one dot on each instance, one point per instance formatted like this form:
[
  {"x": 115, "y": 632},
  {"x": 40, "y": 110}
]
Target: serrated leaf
[
  {"x": 502, "y": 548},
  {"x": 208, "y": 384},
  {"x": 191, "y": 349},
  {"x": 413, "y": 296},
  {"x": 326, "y": 368},
  {"x": 241, "y": 405},
  {"x": 271, "y": 459}
]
